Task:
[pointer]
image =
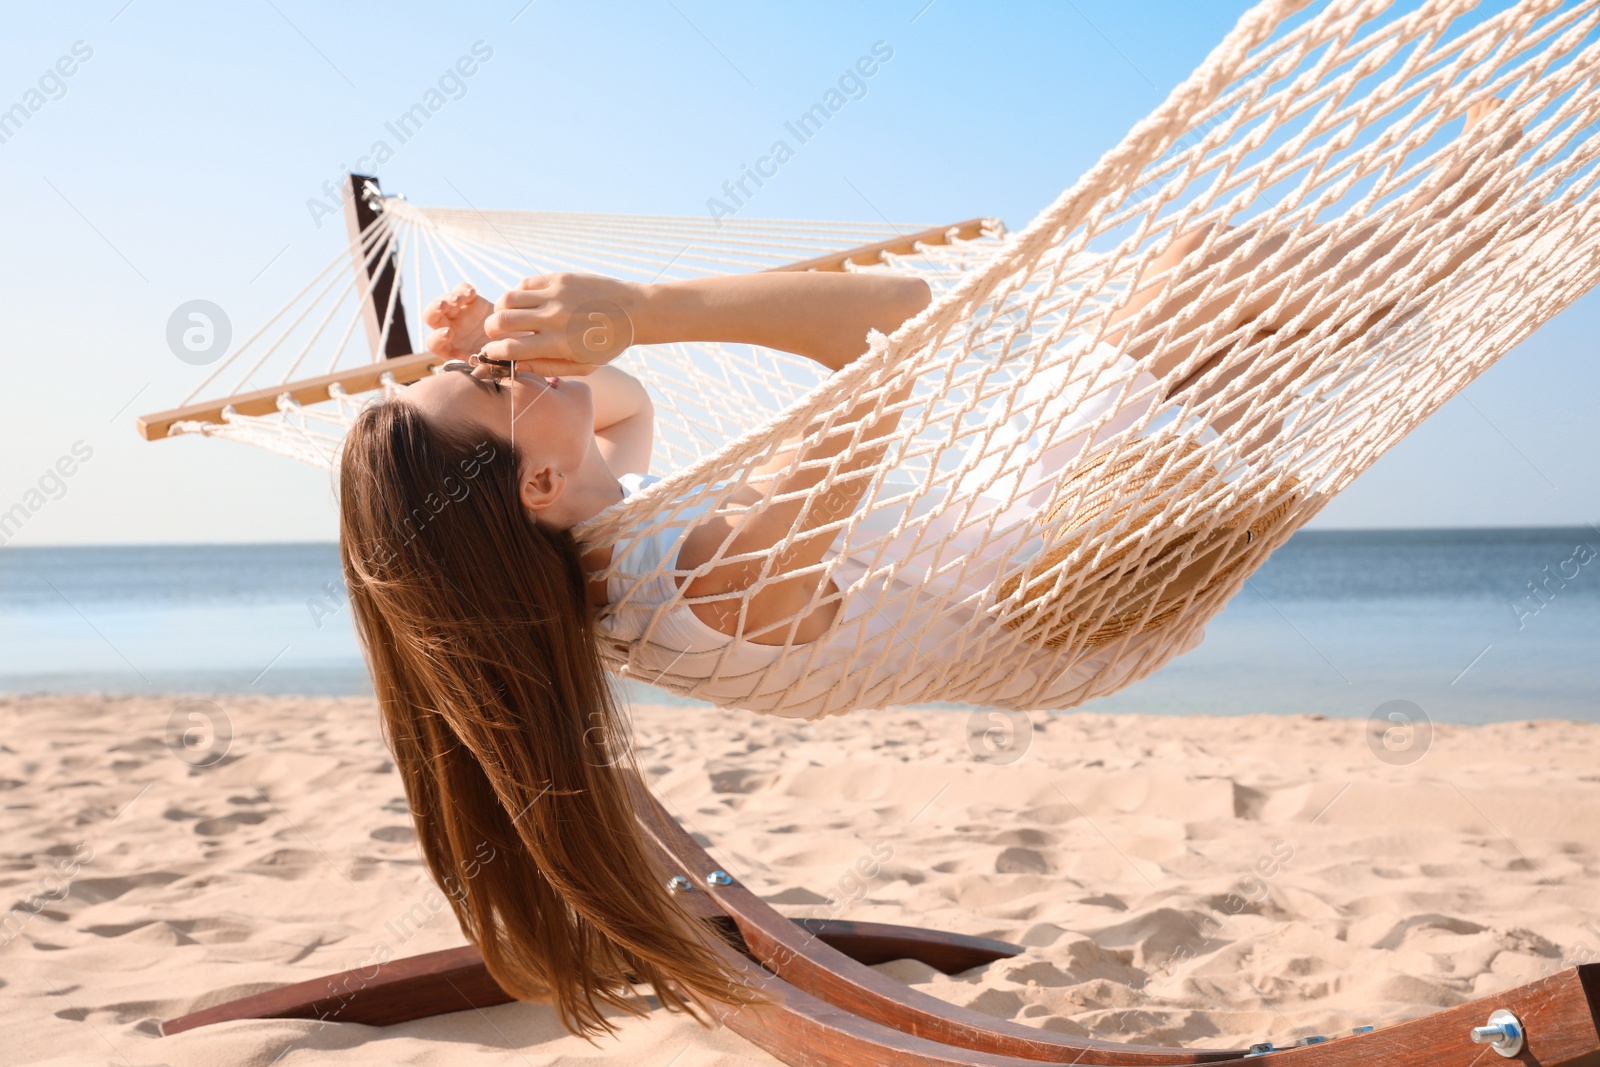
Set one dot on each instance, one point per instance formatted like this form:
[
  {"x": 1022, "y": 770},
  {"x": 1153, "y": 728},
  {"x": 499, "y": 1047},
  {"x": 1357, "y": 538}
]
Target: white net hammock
[{"x": 1047, "y": 521}]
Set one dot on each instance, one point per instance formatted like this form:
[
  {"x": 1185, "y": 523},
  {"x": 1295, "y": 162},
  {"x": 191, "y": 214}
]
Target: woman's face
[{"x": 550, "y": 421}]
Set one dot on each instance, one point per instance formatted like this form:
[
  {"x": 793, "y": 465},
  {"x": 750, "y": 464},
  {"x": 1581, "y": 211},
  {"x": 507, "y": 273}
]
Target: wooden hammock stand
[{"x": 829, "y": 1008}]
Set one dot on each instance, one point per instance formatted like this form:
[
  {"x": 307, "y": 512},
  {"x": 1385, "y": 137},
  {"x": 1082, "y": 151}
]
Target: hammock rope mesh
[{"x": 1301, "y": 229}]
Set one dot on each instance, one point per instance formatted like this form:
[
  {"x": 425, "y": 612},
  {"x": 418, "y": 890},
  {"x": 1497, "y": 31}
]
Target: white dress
[{"x": 922, "y": 625}]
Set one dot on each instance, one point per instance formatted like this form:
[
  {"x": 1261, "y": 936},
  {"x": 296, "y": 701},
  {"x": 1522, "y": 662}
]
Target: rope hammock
[{"x": 1047, "y": 522}]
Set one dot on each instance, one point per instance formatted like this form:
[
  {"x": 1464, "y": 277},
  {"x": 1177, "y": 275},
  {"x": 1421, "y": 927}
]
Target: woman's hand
[
  {"x": 457, "y": 321},
  {"x": 564, "y": 324}
]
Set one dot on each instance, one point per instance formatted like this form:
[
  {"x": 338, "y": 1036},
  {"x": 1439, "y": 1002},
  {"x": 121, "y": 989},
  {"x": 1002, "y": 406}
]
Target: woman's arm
[
  {"x": 624, "y": 420},
  {"x": 824, "y": 316}
]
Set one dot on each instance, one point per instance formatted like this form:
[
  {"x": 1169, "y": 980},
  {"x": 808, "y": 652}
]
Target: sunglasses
[{"x": 499, "y": 369}]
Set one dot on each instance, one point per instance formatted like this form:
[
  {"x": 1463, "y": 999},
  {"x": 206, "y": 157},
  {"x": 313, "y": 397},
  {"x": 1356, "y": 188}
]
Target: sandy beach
[{"x": 1198, "y": 881}]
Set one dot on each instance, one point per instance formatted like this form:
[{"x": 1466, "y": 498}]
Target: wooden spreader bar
[
  {"x": 408, "y": 368},
  {"x": 867, "y": 255},
  {"x": 831, "y": 1009}
]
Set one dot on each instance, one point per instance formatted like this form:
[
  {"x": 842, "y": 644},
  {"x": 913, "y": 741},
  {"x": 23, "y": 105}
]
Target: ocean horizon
[{"x": 1472, "y": 625}]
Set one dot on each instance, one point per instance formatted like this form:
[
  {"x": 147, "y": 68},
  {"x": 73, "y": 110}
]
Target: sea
[{"x": 1469, "y": 626}]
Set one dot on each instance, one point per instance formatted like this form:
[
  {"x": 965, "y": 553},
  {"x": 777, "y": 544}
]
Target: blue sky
[{"x": 178, "y": 159}]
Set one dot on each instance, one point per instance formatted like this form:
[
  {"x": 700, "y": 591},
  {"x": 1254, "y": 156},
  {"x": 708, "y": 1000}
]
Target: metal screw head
[
  {"x": 679, "y": 884},
  {"x": 719, "y": 878},
  {"x": 1503, "y": 1033}
]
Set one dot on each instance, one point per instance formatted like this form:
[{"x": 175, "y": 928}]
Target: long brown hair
[{"x": 477, "y": 629}]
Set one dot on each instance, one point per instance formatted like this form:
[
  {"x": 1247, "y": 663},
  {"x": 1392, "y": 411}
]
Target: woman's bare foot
[
  {"x": 1450, "y": 191},
  {"x": 1482, "y": 109},
  {"x": 457, "y": 322}
]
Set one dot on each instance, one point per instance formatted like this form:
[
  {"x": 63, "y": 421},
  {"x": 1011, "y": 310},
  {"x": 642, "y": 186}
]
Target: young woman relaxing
[{"x": 480, "y": 613}]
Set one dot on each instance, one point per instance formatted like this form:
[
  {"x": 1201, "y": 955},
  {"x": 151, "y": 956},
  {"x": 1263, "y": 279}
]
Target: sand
[{"x": 1196, "y": 881}]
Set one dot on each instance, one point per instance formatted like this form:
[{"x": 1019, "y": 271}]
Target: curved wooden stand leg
[
  {"x": 869, "y": 943},
  {"x": 1561, "y": 1012},
  {"x": 830, "y": 1009},
  {"x": 804, "y": 960},
  {"x": 800, "y": 1029},
  {"x": 455, "y": 979},
  {"x": 415, "y": 987}
]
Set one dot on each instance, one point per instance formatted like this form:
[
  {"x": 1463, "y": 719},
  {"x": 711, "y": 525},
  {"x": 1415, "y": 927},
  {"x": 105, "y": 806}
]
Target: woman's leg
[
  {"x": 1199, "y": 310},
  {"x": 1193, "y": 307}
]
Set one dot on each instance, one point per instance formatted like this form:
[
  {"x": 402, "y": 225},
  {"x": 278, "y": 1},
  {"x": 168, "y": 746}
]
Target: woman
[
  {"x": 476, "y": 612},
  {"x": 477, "y": 607}
]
